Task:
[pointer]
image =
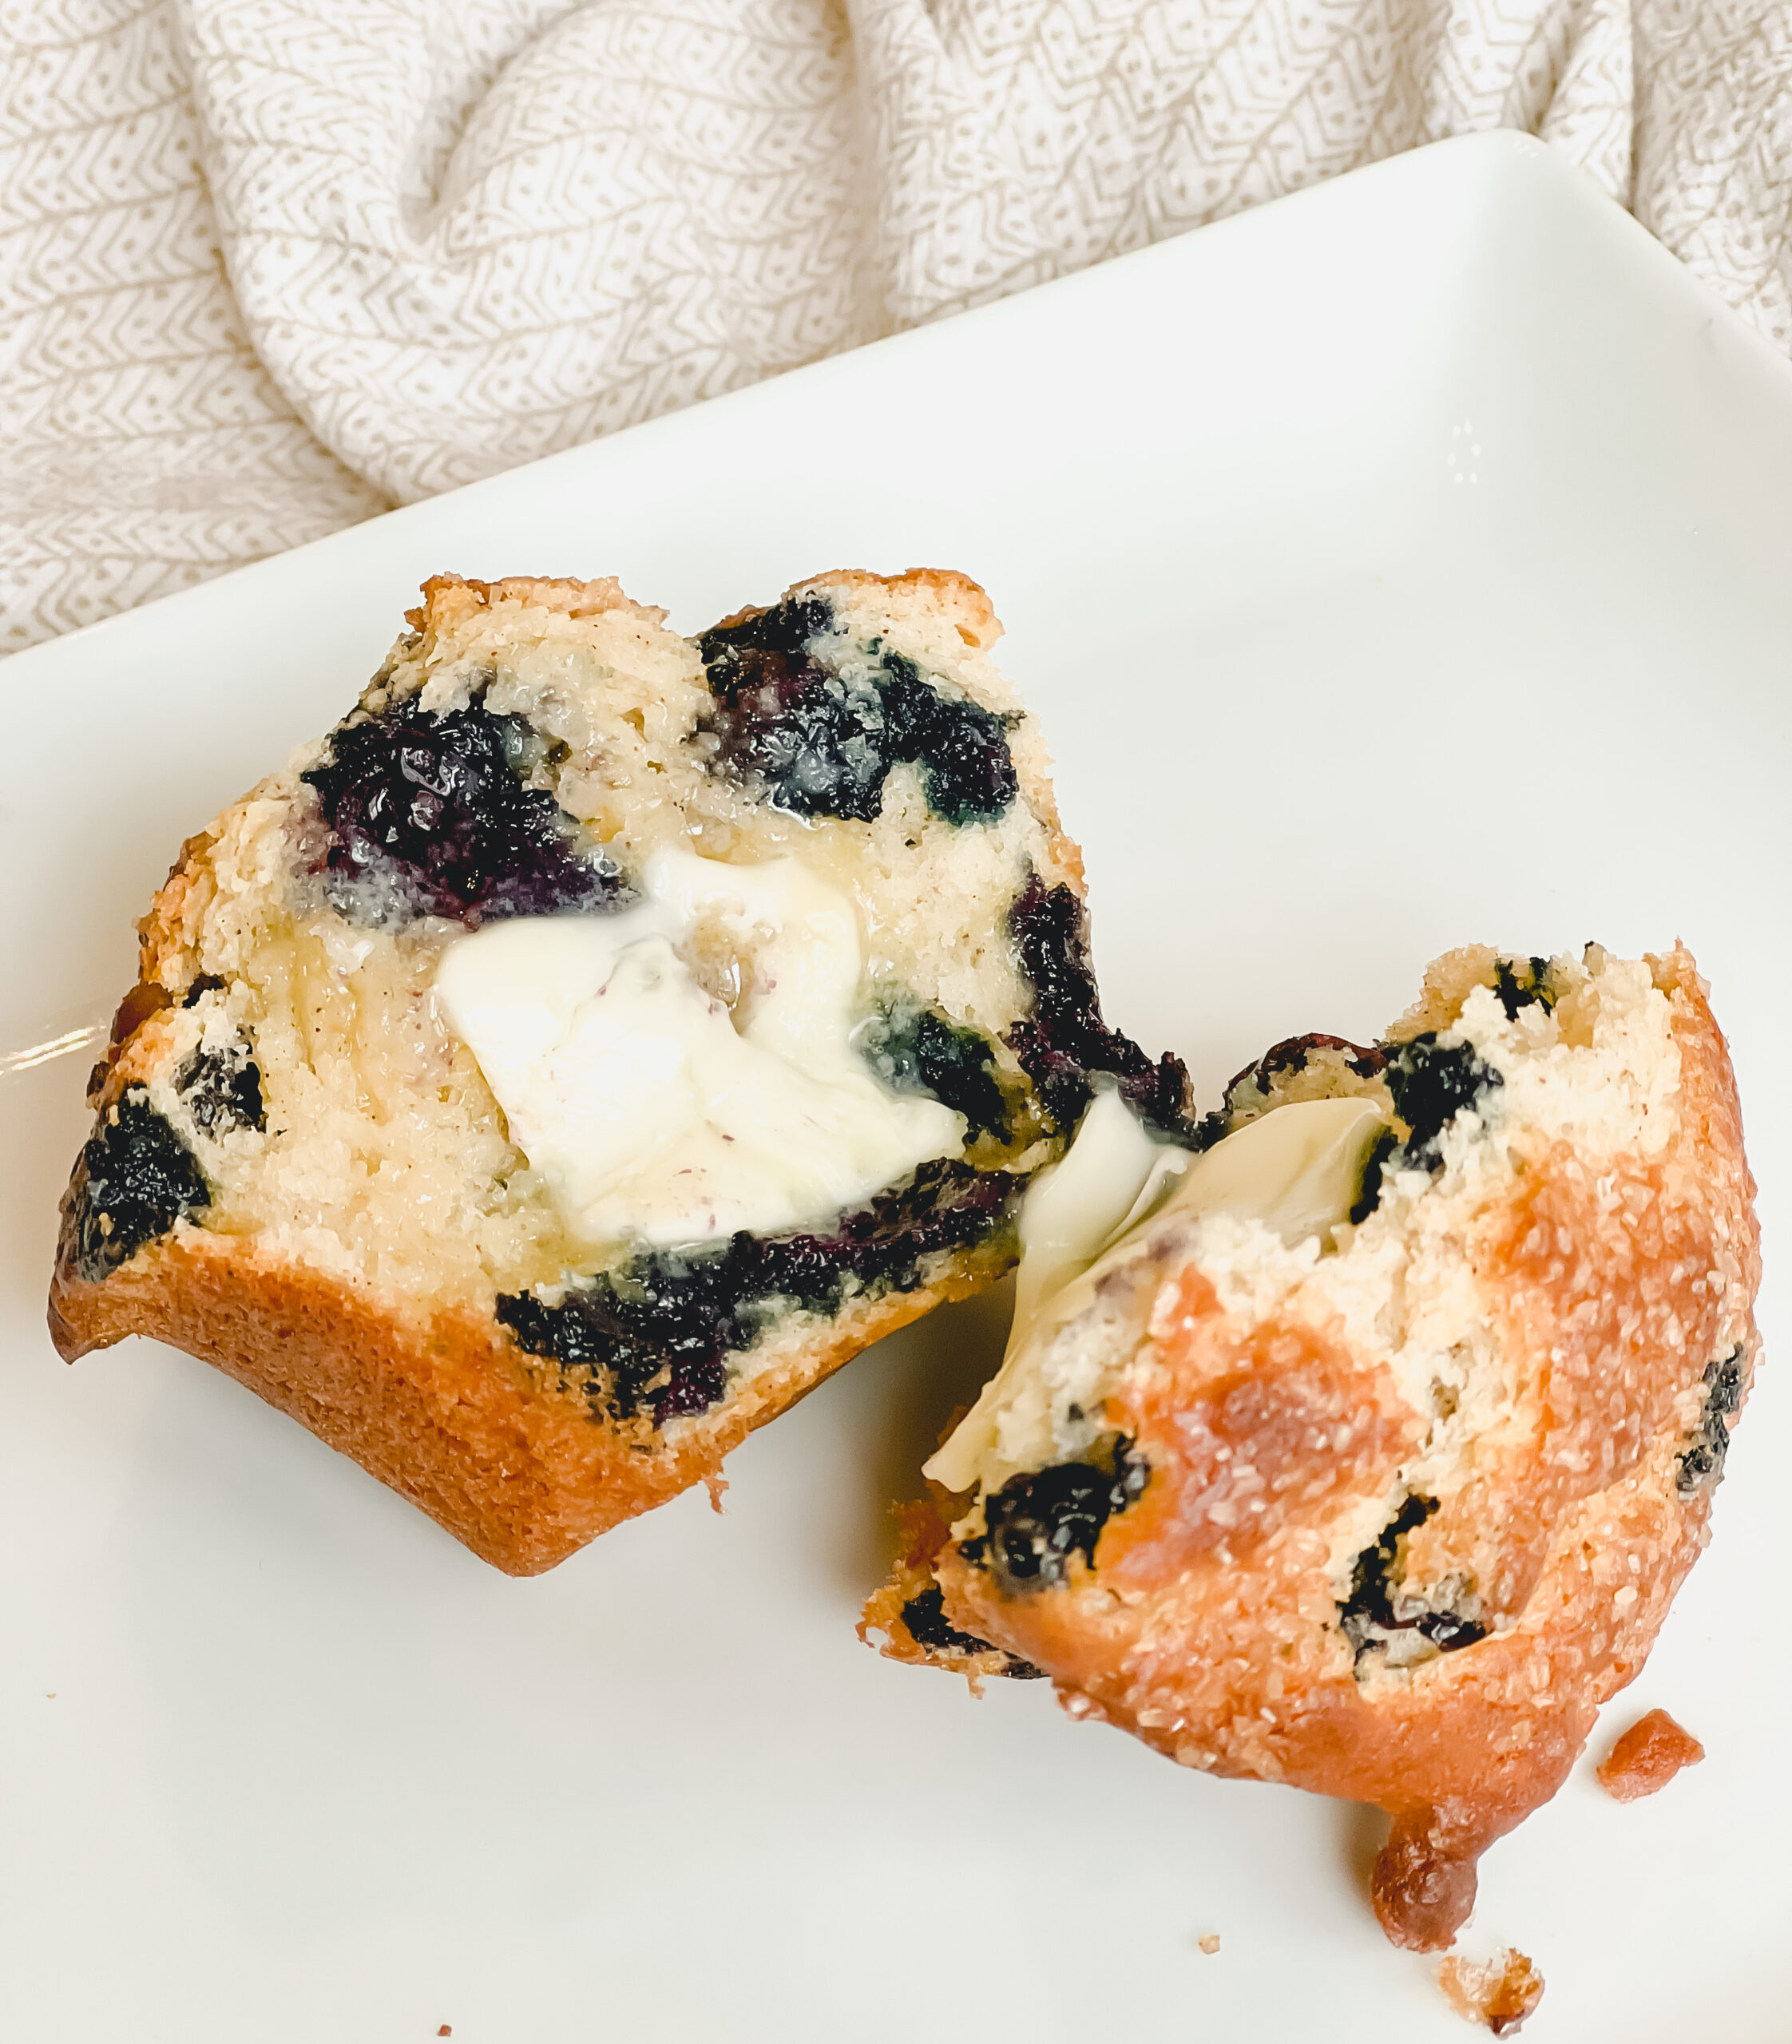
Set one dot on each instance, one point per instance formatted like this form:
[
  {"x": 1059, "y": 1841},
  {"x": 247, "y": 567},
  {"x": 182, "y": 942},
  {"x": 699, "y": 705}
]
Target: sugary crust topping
[
  {"x": 1525, "y": 1344},
  {"x": 931, "y": 593},
  {"x": 451, "y": 601},
  {"x": 1250, "y": 1428}
]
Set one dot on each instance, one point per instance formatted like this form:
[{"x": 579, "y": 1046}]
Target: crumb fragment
[
  {"x": 1498, "y": 1996},
  {"x": 1210, "y": 1944},
  {"x": 717, "y": 1487},
  {"x": 447, "y": 2030},
  {"x": 1647, "y": 1758}
]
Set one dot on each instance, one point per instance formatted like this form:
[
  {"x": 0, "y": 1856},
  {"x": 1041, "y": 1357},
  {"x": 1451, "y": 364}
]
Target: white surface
[{"x": 1403, "y": 564}]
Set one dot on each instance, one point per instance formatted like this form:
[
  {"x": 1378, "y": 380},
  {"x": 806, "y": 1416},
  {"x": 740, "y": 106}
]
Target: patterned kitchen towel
[{"x": 270, "y": 265}]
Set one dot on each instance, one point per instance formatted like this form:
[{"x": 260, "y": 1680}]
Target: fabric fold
[{"x": 272, "y": 265}]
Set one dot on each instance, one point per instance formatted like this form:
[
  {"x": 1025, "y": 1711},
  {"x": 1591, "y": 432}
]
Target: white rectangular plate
[{"x": 1402, "y": 565}]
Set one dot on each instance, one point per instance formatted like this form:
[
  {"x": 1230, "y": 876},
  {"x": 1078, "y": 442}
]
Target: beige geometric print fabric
[
  {"x": 143, "y": 445},
  {"x": 1713, "y": 148},
  {"x": 269, "y": 266}
]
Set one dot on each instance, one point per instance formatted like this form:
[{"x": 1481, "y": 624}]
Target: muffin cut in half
[
  {"x": 1365, "y": 1450},
  {"x": 596, "y": 1039}
]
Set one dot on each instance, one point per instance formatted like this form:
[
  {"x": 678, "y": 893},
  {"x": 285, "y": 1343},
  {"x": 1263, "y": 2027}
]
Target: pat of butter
[
  {"x": 653, "y": 1113},
  {"x": 1297, "y": 1170},
  {"x": 1113, "y": 1176}
]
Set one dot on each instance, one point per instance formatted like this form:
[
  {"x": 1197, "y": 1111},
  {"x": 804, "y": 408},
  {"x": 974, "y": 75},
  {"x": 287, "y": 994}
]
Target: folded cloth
[{"x": 270, "y": 265}]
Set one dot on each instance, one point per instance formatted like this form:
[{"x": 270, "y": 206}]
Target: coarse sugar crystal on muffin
[{"x": 1367, "y": 1449}]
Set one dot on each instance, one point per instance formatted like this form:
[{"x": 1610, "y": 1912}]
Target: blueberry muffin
[
  {"x": 1366, "y": 1449},
  {"x": 597, "y": 1038}
]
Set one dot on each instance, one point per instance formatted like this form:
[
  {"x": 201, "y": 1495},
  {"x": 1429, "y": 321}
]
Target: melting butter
[
  {"x": 652, "y": 1111},
  {"x": 1113, "y": 1176},
  {"x": 1297, "y": 1170}
]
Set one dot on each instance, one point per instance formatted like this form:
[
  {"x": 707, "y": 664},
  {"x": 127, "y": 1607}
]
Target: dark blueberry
[
  {"x": 654, "y": 1333},
  {"x": 915, "y": 1051},
  {"x": 583, "y": 1332},
  {"x": 1521, "y": 982},
  {"x": 1702, "y": 1462},
  {"x": 728, "y": 651},
  {"x": 960, "y": 748},
  {"x": 929, "y": 1626},
  {"x": 785, "y": 718},
  {"x": 1369, "y": 1193},
  {"x": 817, "y": 749},
  {"x": 136, "y": 1179},
  {"x": 1038, "y": 1520},
  {"x": 1432, "y": 1083},
  {"x": 694, "y": 1385},
  {"x": 1723, "y": 1378},
  {"x": 1064, "y": 1040},
  {"x": 429, "y": 814},
  {"x": 823, "y": 746},
  {"x": 885, "y": 1246},
  {"x": 1293, "y": 1054},
  {"x": 1213, "y": 1127},
  {"x": 222, "y": 1089},
  {"x": 1367, "y": 1615},
  {"x": 206, "y": 983},
  {"x": 1369, "y": 1601},
  {"x": 1448, "y": 1630}
]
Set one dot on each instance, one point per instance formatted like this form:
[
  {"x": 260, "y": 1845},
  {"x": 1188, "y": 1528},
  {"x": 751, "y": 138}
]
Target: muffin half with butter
[
  {"x": 596, "y": 1039},
  {"x": 1366, "y": 1449}
]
